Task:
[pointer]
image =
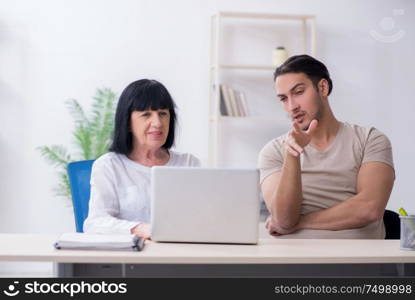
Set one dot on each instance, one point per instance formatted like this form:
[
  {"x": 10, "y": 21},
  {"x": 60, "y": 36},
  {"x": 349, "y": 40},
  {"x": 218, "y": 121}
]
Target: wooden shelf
[
  {"x": 245, "y": 67},
  {"x": 248, "y": 118},
  {"x": 228, "y": 14}
]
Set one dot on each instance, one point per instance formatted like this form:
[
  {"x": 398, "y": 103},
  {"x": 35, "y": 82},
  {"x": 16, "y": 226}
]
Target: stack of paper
[{"x": 88, "y": 241}]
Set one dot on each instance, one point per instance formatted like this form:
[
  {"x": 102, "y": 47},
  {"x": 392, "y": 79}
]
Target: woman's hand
[{"x": 142, "y": 230}]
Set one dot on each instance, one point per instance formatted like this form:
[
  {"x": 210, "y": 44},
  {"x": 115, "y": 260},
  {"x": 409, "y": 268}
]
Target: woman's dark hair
[
  {"x": 314, "y": 69},
  {"x": 141, "y": 95}
]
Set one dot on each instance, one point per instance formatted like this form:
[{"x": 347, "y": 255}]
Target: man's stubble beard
[
  {"x": 317, "y": 116},
  {"x": 319, "y": 113}
]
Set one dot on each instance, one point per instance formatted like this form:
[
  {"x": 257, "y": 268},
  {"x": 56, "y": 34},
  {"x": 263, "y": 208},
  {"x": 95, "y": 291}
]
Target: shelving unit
[
  {"x": 225, "y": 69},
  {"x": 243, "y": 67}
]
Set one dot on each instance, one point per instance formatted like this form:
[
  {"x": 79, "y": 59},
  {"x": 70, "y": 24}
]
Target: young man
[{"x": 324, "y": 178}]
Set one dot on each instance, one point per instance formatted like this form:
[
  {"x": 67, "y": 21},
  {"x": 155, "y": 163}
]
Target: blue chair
[{"x": 79, "y": 174}]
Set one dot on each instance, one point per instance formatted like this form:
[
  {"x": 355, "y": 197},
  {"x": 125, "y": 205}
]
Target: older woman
[{"x": 120, "y": 182}]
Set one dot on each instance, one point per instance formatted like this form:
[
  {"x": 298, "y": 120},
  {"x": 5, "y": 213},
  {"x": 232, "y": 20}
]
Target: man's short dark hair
[
  {"x": 141, "y": 95},
  {"x": 314, "y": 69}
]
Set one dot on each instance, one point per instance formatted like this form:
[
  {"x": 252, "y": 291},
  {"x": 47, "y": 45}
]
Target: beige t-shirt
[{"x": 330, "y": 176}]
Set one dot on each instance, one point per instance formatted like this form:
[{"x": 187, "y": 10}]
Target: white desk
[
  {"x": 33, "y": 247},
  {"x": 335, "y": 255}
]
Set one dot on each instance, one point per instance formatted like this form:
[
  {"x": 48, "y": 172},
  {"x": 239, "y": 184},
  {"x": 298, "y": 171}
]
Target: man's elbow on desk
[
  {"x": 288, "y": 224},
  {"x": 368, "y": 207},
  {"x": 372, "y": 213},
  {"x": 287, "y": 220}
]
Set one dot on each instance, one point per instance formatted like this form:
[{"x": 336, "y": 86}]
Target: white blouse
[{"x": 120, "y": 192}]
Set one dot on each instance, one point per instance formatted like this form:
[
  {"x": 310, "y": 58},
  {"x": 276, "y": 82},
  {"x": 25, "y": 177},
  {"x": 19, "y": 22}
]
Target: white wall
[{"x": 54, "y": 50}]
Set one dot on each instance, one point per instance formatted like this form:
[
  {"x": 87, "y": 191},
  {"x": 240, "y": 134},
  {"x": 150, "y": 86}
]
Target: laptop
[{"x": 204, "y": 205}]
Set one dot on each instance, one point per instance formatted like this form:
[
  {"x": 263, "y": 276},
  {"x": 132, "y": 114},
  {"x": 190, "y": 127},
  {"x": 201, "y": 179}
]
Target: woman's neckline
[{"x": 141, "y": 166}]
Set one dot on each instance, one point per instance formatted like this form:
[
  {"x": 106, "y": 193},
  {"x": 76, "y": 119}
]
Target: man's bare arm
[
  {"x": 283, "y": 193},
  {"x": 374, "y": 185}
]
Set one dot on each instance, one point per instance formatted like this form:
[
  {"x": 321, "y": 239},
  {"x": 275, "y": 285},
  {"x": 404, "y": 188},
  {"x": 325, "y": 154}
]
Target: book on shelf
[
  {"x": 224, "y": 110},
  {"x": 232, "y": 102},
  {"x": 222, "y": 107},
  {"x": 241, "y": 110},
  {"x": 225, "y": 98},
  {"x": 244, "y": 103}
]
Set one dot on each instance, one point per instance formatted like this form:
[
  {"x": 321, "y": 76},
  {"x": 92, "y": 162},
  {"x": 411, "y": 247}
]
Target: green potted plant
[{"x": 92, "y": 136}]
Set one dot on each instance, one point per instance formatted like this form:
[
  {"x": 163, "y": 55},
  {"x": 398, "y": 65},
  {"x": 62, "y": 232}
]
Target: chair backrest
[
  {"x": 79, "y": 174},
  {"x": 392, "y": 225}
]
